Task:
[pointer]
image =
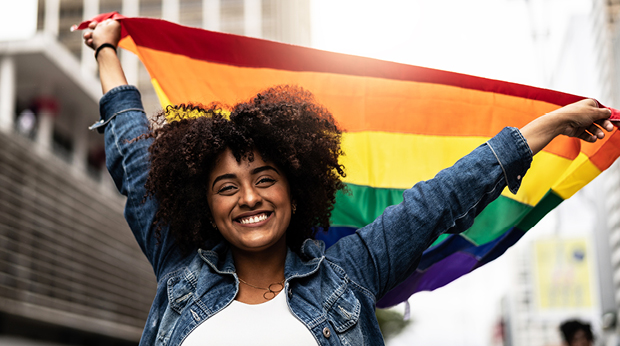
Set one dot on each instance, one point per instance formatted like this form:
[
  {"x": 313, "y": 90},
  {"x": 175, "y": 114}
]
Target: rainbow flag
[{"x": 403, "y": 124}]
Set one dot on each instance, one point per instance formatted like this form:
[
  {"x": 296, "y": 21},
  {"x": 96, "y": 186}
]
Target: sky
[
  {"x": 513, "y": 40},
  {"x": 22, "y": 23},
  {"x": 488, "y": 38},
  {"x": 475, "y": 37}
]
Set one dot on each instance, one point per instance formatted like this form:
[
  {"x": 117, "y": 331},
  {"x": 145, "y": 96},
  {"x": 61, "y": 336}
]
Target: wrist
[
  {"x": 104, "y": 46},
  {"x": 542, "y": 130},
  {"x": 556, "y": 123}
]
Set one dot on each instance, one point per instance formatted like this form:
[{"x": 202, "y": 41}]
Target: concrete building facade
[{"x": 70, "y": 270}]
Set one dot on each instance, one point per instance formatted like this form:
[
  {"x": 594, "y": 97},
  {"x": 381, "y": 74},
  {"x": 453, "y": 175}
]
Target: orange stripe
[
  {"x": 358, "y": 103},
  {"x": 602, "y": 159}
]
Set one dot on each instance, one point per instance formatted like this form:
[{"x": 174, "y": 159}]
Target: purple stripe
[{"x": 440, "y": 274}]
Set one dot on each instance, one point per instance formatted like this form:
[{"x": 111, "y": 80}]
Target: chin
[{"x": 258, "y": 245}]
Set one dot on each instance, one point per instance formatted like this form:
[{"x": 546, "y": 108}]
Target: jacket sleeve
[
  {"x": 384, "y": 253},
  {"x": 122, "y": 121}
]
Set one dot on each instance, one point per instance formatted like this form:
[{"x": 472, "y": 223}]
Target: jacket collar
[
  {"x": 213, "y": 256},
  {"x": 307, "y": 262}
]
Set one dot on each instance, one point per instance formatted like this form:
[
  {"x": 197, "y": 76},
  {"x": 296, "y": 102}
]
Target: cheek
[
  {"x": 283, "y": 199},
  {"x": 217, "y": 207}
]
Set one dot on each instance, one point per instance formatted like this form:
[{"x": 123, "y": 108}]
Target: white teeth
[{"x": 253, "y": 219}]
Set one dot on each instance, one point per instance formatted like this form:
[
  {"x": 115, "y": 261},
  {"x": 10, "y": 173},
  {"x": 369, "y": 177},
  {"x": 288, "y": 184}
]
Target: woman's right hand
[{"x": 108, "y": 31}]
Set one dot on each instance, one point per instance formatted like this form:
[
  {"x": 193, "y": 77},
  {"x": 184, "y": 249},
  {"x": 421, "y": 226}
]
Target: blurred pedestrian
[
  {"x": 26, "y": 123},
  {"x": 577, "y": 333}
]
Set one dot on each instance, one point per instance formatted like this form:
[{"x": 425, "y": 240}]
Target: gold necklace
[{"x": 271, "y": 293}]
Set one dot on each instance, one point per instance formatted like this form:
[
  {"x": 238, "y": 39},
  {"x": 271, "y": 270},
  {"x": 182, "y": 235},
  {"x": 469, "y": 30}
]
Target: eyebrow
[
  {"x": 254, "y": 171},
  {"x": 264, "y": 168}
]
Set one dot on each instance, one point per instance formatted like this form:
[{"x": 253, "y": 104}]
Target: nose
[{"x": 250, "y": 197}]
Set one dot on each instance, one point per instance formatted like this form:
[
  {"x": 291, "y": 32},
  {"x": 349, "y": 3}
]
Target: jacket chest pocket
[
  {"x": 344, "y": 315},
  {"x": 180, "y": 289}
]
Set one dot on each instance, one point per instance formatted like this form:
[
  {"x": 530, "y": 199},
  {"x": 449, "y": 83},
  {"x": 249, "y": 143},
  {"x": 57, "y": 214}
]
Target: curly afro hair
[{"x": 284, "y": 124}]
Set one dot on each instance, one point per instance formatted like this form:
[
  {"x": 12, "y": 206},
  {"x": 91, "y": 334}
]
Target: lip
[{"x": 252, "y": 213}]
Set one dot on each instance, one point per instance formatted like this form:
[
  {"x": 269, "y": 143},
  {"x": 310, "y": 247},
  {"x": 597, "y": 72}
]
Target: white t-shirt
[{"x": 267, "y": 324}]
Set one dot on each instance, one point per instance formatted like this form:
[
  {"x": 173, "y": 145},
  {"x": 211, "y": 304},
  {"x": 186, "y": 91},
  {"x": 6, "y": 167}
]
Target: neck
[{"x": 261, "y": 269}]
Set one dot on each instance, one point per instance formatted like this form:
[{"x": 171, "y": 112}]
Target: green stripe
[
  {"x": 363, "y": 204},
  {"x": 496, "y": 219},
  {"x": 549, "y": 201}
]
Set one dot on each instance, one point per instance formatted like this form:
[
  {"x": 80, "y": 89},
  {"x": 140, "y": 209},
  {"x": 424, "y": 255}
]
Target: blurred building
[
  {"x": 555, "y": 279},
  {"x": 70, "y": 270},
  {"x": 585, "y": 63}
]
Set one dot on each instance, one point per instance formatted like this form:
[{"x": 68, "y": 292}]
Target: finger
[
  {"x": 587, "y": 137},
  {"x": 605, "y": 124},
  {"x": 604, "y": 113},
  {"x": 590, "y": 102},
  {"x": 92, "y": 25},
  {"x": 596, "y": 131}
]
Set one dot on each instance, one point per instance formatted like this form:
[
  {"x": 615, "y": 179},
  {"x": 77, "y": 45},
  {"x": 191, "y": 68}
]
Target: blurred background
[{"x": 71, "y": 273}]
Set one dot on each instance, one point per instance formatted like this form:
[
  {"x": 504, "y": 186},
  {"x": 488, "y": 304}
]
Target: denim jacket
[{"x": 332, "y": 292}]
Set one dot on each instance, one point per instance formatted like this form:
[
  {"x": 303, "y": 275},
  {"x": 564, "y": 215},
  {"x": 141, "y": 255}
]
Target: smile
[{"x": 253, "y": 219}]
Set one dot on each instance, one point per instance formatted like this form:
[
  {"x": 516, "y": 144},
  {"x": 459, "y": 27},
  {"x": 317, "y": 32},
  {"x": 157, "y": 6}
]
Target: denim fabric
[{"x": 332, "y": 292}]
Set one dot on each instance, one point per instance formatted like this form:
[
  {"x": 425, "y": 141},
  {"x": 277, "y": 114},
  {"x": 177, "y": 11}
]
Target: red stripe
[{"x": 256, "y": 53}]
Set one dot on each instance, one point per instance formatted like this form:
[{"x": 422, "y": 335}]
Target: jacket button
[{"x": 326, "y": 332}]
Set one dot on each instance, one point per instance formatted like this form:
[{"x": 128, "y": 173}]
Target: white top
[{"x": 267, "y": 324}]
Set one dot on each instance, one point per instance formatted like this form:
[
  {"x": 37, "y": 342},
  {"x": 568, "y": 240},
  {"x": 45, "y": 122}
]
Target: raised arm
[
  {"x": 394, "y": 242},
  {"x": 122, "y": 121},
  {"x": 104, "y": 39}
]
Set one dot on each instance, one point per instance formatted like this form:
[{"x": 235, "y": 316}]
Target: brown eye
[
  {"x": 226, "y": 188},
  {"x": 265, "y": 180}
]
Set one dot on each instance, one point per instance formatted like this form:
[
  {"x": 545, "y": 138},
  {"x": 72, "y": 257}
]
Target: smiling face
[{"x": 250, "y": 203}]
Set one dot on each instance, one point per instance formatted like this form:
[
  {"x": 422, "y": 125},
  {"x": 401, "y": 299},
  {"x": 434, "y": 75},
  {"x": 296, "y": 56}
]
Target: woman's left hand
[{"x": 582, "y": 119}]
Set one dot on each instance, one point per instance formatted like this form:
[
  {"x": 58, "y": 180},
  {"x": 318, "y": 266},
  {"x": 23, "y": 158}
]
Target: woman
[{"x": 231, "y": 201}]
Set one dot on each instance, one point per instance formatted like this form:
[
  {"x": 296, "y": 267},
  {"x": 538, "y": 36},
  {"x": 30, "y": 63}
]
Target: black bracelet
[{"x": 103, "y": 46}]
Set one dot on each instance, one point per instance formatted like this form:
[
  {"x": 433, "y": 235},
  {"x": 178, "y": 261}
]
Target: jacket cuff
[
  {"x": 513, "y": 155},
  {"x": 116, "y": 101}
]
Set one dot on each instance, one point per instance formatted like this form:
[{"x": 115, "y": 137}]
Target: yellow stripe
[
  {"x": 391, "y": 160},
  {"x": 581, "y": 172},
  {"x": 163, "y": 98},
  {"x": 542, "y": 175}
]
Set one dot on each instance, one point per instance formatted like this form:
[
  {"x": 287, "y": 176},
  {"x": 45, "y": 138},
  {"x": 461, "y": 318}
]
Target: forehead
[{"x": 226, "y": 163}]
